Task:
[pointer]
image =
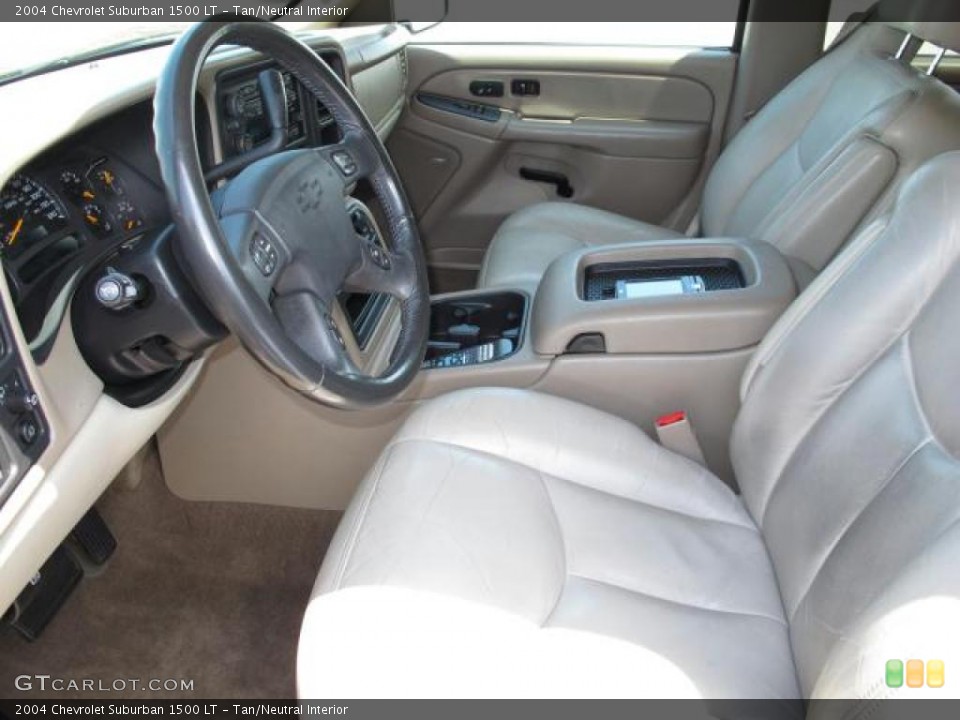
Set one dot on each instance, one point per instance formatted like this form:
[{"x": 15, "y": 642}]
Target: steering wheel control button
[
  {"x": 264, "y": 255},
  {"x": 379, "y": 256},
  {"x": 362, "y": 225},
  {"x": 345, "y": 161},
  {"x": 116, "y": 291}
]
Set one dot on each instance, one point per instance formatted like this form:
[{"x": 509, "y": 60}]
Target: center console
[
  {"x": 677, "y": 296},
  {"x": 475, "y": 329},
  {"x": 639, "y": 330}
]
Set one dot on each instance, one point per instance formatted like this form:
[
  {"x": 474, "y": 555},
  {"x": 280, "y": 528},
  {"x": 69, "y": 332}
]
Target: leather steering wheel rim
[{"x": 290, "y": 202}]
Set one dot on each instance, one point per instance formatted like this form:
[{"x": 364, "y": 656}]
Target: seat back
[
  {"x": 847, "y": 448},
  {"x": 825, "y": 156}
]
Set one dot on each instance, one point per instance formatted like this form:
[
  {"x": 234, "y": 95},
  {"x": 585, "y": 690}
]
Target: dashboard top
[{"x": 68, "y": 100}]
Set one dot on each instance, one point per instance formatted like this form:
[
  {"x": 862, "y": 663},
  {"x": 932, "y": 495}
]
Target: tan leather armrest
[{"x": 706, "y": 322}]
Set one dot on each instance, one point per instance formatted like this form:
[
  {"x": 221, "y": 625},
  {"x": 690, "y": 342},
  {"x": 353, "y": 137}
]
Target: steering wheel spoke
[
  {"x": 385, "y": 270},
  {"x": 310, "y": 323}
]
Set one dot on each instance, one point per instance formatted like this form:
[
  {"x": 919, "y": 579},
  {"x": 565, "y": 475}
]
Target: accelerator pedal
[{"x": 94, "y": 538}]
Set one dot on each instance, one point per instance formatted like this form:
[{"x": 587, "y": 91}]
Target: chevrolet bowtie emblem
[{"x": 308, "y": 195}]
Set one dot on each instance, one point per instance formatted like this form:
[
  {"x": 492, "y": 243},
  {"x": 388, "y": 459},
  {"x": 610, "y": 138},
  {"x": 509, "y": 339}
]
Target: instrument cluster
[
  {"x": 63, "y": 211},
  {"x": 102, "y": 198},
  {"x": 92, "y": 196}
]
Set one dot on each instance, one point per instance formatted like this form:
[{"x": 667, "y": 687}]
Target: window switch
[
  {"x": 525, "y": 87},
  {"x": 486, "y": 88}
]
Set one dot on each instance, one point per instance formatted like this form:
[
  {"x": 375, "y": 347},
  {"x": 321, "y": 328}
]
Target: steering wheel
[{"x": 276, "y": 246}]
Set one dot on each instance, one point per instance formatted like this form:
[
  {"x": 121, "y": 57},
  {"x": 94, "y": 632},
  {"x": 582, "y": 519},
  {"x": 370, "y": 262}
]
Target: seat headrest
[{"x": 930, "y": 20}]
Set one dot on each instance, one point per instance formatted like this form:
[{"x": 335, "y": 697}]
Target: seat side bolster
[{"x": 827, "y": 209}]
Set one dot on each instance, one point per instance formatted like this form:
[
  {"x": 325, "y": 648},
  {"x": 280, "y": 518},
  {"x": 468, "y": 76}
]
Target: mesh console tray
[{"x": 600, "y": 281}]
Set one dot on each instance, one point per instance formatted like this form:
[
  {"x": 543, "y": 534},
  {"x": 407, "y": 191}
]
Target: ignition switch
[{"x": 116, "y": 291}]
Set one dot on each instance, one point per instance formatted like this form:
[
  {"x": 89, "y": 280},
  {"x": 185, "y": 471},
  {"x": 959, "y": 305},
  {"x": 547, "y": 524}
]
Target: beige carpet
[{"x": 209, "y": 592}]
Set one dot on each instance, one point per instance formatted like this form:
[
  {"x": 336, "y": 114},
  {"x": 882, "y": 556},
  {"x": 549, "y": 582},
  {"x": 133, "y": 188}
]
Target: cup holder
[{"x": 475, "y": 329}]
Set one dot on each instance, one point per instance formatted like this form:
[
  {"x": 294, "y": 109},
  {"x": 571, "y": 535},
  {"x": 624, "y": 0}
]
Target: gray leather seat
[
  {"x": 514, "y": 544},
  {"x": 820, "y": 160}
]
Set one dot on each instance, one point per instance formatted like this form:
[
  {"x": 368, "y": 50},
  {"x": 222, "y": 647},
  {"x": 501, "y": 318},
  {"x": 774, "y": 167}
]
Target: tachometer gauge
[
  {"x": 127, "y": 215},
  {"x": 28, "y": 213}
]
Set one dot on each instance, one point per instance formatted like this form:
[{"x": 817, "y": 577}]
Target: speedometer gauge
[{"x": 28, "y": 213}]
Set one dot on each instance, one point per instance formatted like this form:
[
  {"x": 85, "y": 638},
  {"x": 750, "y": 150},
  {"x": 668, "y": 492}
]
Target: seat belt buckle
[{"x": 675, "y": 433}]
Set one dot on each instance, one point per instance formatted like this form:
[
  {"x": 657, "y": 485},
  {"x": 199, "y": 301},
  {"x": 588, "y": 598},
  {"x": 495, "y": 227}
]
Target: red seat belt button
[
  {"x": 676, "y": 433},
  {"x": 671, "y": 419}
]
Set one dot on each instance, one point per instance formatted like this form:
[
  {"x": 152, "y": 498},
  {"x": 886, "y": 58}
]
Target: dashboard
[
  {"x": 242, "y": 120},
  {"x": 74, "y": 203},
  {"x": 82, "y": 195},
  {"x": 89, "y": 196}
]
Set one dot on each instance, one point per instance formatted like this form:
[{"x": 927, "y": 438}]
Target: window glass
[
  {"x": 680, "y": 34},
  {"x": 840, "y": 10},
  {"x": 26, "y": 44},
  {"x": 927, "y": 49}
]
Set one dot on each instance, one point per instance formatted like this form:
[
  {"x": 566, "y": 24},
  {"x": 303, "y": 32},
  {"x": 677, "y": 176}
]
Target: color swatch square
[
  {"x": 914, "y": 673},
  {"x": 894, "y": 673},
  {"x": 935, "y": 673}
]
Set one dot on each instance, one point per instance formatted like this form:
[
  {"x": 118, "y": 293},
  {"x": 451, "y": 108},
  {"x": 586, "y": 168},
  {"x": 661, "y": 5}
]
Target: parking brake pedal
[
  {"x": 36, "y": 605},
  {"x": 91, "y": 540}
]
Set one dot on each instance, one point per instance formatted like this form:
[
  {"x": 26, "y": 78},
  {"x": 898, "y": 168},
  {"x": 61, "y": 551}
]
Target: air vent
[{"x": 324, "y": 116}]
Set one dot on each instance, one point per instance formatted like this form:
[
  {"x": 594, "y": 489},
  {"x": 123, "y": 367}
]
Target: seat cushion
[
  {"x": 556, "y": 530},
  {"x": 532, "y": 238}
]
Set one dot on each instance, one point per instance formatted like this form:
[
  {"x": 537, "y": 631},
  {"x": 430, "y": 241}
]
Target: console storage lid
[{"x": 745, "y": 285}]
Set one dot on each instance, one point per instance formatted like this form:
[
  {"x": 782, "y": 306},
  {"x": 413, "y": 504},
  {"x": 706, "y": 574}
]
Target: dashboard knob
[
  {"x": 117, "y": 291},
  {"x": 18, "y": 401},
  {"x": 243, "y": 143},
  {"x": 235, "y": 105}
]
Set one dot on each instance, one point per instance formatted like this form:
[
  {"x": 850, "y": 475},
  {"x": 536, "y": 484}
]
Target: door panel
[
  {"x": 567, "y": 95},
  {"x": 626, "y": 129}
]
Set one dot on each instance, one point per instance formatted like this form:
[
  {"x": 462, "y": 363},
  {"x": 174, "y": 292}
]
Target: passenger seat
[{"x": 819, "y": 161}]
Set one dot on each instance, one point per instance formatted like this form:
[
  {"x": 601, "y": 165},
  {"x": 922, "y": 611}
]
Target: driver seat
[{"x": 513, "y": 544}]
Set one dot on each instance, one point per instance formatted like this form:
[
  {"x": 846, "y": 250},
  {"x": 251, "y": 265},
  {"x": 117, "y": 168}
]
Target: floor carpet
[{"x": 208, "y": 592}]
